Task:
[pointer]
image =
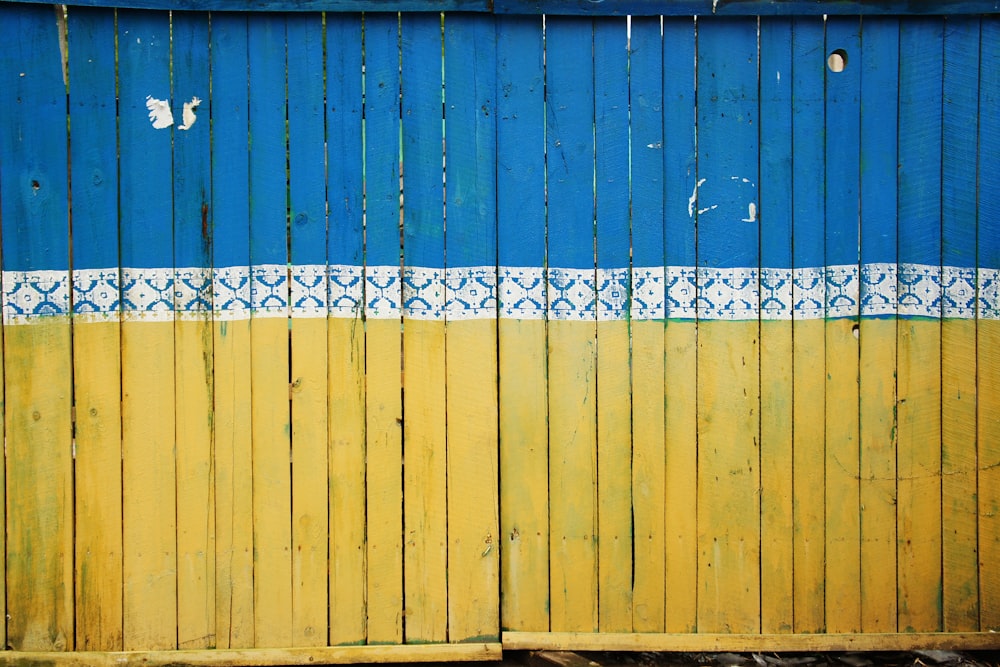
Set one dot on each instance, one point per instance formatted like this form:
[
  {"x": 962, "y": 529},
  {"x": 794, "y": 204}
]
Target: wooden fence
[{"x": 358, "y": 336}]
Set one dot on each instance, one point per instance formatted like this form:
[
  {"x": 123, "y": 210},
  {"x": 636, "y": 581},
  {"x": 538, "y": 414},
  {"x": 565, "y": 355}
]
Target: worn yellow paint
[
  {"x": 843, "y": 523},
  {"x": 877, "y": 427},
  {"x": 39, "y": 469},
  {"x": 149, "y": 491},
  {"x": 346, "y": 395},
  {"x": 473, "y": 521},
  {"x": 272, "y": 509},
  {"x": 988, "y": 431},
  {"x": 195, "y": 492},
  {"x": 681, "y": 528},
  {"x": 384, "y": 482},
  {"x": 648, "y": 475},
  {"x": 808, "y": 480},
  {"x": 958, "y": 467},
  {"x": 919, "y": 472},
  {"x": 310, "y": 489},
  {"x": 572, "y": 476},
  {"x": 728, "y": 477},
  {"x": 98, "y": 483},
  {"x": 524, "y": 596},
  {"x": 425, "y": 520},
  {"x": 776, "y": 565},
  {"x": 234, "y": 611},
  {"x": 614, "y": 483}
]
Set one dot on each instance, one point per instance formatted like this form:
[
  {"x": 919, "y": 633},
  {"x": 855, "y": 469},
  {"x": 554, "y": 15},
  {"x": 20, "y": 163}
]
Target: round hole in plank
[{"x": 837, "y": 60}]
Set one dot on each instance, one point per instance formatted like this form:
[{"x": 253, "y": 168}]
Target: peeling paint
[
  {"x": 159, "y": 113},
  {"x": 751, "y": 213},
  {"x": 188, "y": 116},
  {"x": 707, "y": 209},
  {"x": 694, "y": 197}
]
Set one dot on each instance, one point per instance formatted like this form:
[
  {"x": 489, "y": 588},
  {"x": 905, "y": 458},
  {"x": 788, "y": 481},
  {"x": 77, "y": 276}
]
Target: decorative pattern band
[{"x": 482, "y": 292}]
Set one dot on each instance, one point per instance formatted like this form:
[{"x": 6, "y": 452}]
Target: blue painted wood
[
  {"x": 808, "y": 140},
  {"x": 775, "y": 149},
  {"x": 648, "y": 144},
  {"x": 988, "y": 238},
  {"x": 611, "y": 74}
]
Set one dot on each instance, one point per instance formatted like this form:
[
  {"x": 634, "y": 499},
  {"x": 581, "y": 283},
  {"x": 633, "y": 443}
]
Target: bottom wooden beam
[{"x": 711, "y": 642}]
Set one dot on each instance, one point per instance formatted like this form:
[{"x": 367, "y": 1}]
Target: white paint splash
[
  {"x": 694, "y": 197},
  {"x": 159, "y": 113},
  {"x": 188, "y": 116},
  {"x": 707, "y": 209},
  {"x": 751, "y": 213}
]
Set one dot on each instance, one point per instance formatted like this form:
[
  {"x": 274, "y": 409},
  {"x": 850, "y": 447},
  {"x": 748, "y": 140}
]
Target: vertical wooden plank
[
  {"x": 776, "y": 454},
  {"x": 346, "y": 348},
  {"x": 647, "y": 315},
  {"x": 918, "y": 509},
  {"x": 148, "y": 427},
  {"x": 572, "y": 323},
  {"x": 879, "y": 62},
  {"x": 681, "y": 334},
  {"x": 382, "y": 336},
  {"x": 37, "y": 354},
  {"x": 524, "y": 589},
  {"x": 728, "y": 361},
  {"x": 425, "y": 545},
  {"x": 843, "y": 529},
  {"x": 308, "y": 293},
  {"x": 614, "y": 409},
  {"x": 471, "y": 239},
  {"x": 193, "y": 334},
  {"x": 97, "y": 331},
  {"x": 808, "y": 344},
  {"x": 269, "y": 362},
  {"x": 960, "y": 91},
  {"x": 234, "y": 543}
]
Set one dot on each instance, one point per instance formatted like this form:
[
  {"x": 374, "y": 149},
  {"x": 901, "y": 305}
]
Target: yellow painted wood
[
  {"x": 843, "y": 522},
  {"x": 648, "y": 475},
  {"x": 524, "y": 589},
  {"x": 878, "y": 474},
  {"x": 337, "y": 655},
  {"x": 346, "y": 393},
  {"x": 384, "y": 413},
  {"x": 808, "y": 479},
  {"x": 425, "y": 520},
  {"x": 272, "y": 510},
  {"x": 195, "y": 486},
  {"x": 98, "y": 483},
  {"x": 958, "y": 467},
  {"x": 310, "y": 487},
  {"x": 728, "y": 477},
  {"x": 572, "y": 476},
  {"x": 473, "y": 521},
  {"x": 149, "y": 486},
  {"x": 614, "y": 483},
  {"x": 681, "y": 531},
  {"x": 234, "y": 588},
  {"x": 918, "y": 458},
  {"x": 988, "y": 432},
  {"x": 776, "y": 455},
  {"x": 38, "y": 429}
]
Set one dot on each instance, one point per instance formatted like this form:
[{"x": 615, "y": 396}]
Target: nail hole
[{"x": 837, "y": 60}]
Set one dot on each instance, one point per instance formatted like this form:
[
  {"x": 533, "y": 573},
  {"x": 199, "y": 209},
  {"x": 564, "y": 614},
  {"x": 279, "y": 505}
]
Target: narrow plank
[
  {"x": 37, "y": 354},
  {"x": 614, "y": 399},
  {"x": 879, "y": 62},
  {"x": 307, "y": 247},
  {"x": 960, "y": 91},
  {"x": 572, "y": 324},
  {"x": 524, "y": 584},
  {"x": 681, "y": 333},
  {"x": 471, "y": 239},
  {"x": 346, "y": 348},
  {"x": 776, "y": 454},
  {"x": 97, "y": 333},
  {"x": 647, "y": 314},
  {"x": 232, "y": 398},
  {"x": 842, "y": 312},
  {"x": 148, "y": 426},
  {"x": 269, "y": 358},
  {"x": 808, "y": 340},
  {"x": 193, "y": 217},
  {"x": 728, "y": 353},
  {"x": 918, "y": 509},
  {"x": 382, "y": 336},
  {"x": 425, "y": 520}
]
